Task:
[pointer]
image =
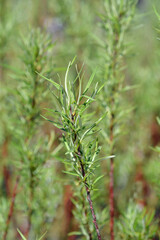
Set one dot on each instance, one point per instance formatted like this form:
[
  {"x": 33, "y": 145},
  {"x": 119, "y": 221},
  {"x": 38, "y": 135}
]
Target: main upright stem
[
  {"x": 111, "y": 181},
  {"x": 90, "y": 200},
  {"x": 93, "y": 213},
  {"x": 79, "y": 154},
  {"x": 111, "y": 198}
]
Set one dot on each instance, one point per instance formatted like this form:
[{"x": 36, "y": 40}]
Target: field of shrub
[{"x": 79, "y": 120}]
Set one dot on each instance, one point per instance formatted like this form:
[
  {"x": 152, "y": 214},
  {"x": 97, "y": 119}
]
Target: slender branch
[
  {"x": 7, "y": 178},
  {"x": 93, "y": 213},
  {"x": 111, "y": 181},
  {"x": 31, "y": 185},
  {"x": 86, "y": 213},
  {"x": 113, "y": 64},
  {"x": 10, "y": 214},
  {"x": 79, "y": 154},
  {"x": 89, "y": 199},
  {"x": 111, "y": 198},
  {"x": 30, "y": 212}
]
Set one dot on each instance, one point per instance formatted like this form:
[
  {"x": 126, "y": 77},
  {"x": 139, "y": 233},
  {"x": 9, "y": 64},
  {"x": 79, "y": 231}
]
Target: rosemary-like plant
[
  {"x": 72, "y": 120},
  {"x": 137, "y": 224},
  {"x": 32, "y": 154},
  {"x": 115, "y": 22}
]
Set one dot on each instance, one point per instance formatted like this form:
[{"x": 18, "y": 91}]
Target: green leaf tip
[{"x": 50, "y": 80}]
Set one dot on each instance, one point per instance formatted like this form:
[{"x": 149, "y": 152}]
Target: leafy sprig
[{"x": 72, "y": 120}]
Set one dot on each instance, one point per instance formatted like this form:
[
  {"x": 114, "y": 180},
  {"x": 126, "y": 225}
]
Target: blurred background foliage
[{"x": 73, "y": 27}]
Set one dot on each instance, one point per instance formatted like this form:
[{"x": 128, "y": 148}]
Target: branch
[
  {"x": 111, "y": 182},
  {"x": 90, "y": 200},
  {"x": 93, "y": 213}
]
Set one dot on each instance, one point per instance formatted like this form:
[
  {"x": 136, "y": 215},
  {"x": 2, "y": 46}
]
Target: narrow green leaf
[
  {"x": 78, "y": 73},
  {"x": 158, "y": 120},
  {"x": 53, "y": 111},
  {"x": 87, "y": 131},
  {"x": 56, "y": 124},
  {"x": 90, "y": 81},
  {"x": 66, "y": 82},
  {"x": 85, "y": 96},
  {"x": 42, "y": 236},
  {"x": 53, "y": 82},
  {"x": 156, "y": 12},
  {"x": 71, "y": 173},
  {"x": 73, "y": 60},
  {"x": 101, "y": 118},
  {"x": 128, "y": 88},
  {"x": 74, "y": 233},
  {"x": 21, "y": 234},
  {"x": 59, "y": 69},
  {"x": 97, "y": 179},
  {"x": 101, "y": 87}
]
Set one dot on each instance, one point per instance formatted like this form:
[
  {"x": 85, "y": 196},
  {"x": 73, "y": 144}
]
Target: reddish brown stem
[
  {"x": 10, "y": 214},
  {"x": 93, "y": 213},
  {"x": 111, "y": 180},
  {"x": 111, "y": 198},
  {"x": 86, "y": 186},
  {"x": 30, "y": 205},
  {"x": 7, "y": 178},
  {"x": 86, "y": 214},
  {"x": 89, "y": 200},
  {"x": 5, "y": 148}
]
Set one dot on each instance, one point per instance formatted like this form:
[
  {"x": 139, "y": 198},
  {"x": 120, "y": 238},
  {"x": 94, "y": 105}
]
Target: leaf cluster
[{"x": 72, "y": 119}]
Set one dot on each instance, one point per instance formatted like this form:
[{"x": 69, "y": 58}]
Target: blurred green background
[{"x": 73, "y": 26}]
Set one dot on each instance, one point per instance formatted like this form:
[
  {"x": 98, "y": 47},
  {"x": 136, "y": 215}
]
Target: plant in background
[
  {"x": 68, "y": 13},
  {"x": 33, "y": 147},
  {"x": 152, "y": 172},
  {"x": 115, "y": 22},
  {"x": 31, "y": 198},
  {"x": 7, "y": 28},
  {"x": 82, "y": 148},
  {"x": 137, "y": 224},
  {"x": 7, "y": 31},
  {"x": 68, "y": 28}
]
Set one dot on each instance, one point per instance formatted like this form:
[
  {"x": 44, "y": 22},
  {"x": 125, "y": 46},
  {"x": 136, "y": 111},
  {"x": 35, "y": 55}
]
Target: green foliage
[
  {"x": 116, "y": 18},
  {"x": 72, "y": 119},
  {"x": 104, "y": 161},
  {"x": 152, "y": 170},
  {"x": 115, "y": 23},
  {"x": 137, "y": 224},
  {"x": 33, "y": 147}
]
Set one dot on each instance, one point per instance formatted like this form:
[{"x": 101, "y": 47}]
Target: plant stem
[
  {"x": 86, "y": 214},
  {"x": 30, "y": 206},
  {"x": 90, "y": 200},
  {"x": 111, "y": 198},
  {"x": 31, "y": 185},
  {"x": 79, "y": 154},
  {"x": 93, "y": 213},
  {"x": 10, "y": 214},
  {"x": 111, "y": 180},
  {"x": 114, "y": 61}
]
